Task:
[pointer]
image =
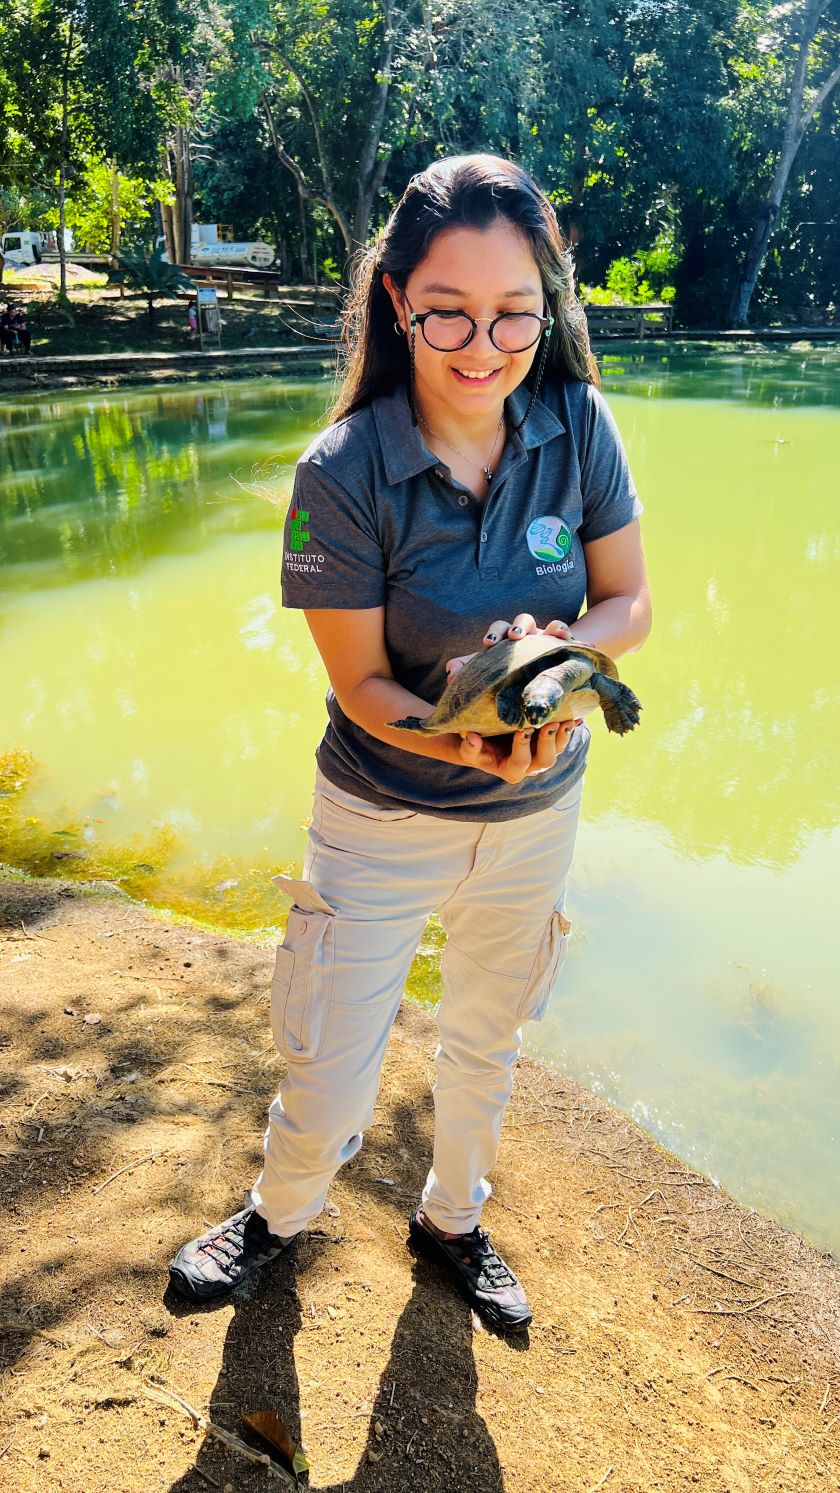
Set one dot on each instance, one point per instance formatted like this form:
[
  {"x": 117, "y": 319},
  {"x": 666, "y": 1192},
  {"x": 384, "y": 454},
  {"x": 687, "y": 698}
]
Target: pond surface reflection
[{"x": 151, "y": 673}]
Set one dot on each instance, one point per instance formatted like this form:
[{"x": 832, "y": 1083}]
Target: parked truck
[
  {"x": 257, "y": 255},
  {"x": 22, "y": 247},
  {"x": 208, "y": 248}
]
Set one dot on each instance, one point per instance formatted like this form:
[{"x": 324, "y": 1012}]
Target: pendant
[{"x": 488, "y": 474}]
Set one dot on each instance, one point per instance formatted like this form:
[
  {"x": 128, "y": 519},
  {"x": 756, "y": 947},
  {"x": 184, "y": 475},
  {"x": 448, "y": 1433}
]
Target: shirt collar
[{"x": 406, "y": 454}]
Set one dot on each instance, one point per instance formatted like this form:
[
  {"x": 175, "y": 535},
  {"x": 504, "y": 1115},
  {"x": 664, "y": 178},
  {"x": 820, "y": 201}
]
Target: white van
[{"x": 22, "y": 247}]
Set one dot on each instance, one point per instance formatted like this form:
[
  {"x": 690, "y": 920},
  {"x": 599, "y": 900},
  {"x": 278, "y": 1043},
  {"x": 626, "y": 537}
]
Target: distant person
[
  {"x": 192, "y": 318},
  {"x": 20, "y": 329},
  {"x": 7, "y": 336}
]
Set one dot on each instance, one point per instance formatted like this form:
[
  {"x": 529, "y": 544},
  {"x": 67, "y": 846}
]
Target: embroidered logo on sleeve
[
  {"x": 299, "y": 537},
  {"x": 299, "y": 534},
  {"x": 550, "y": 540}
]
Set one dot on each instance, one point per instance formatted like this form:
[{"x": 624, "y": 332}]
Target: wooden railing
[
  {"x": 270, "y": 282},
  {"x": 630, "y": 321}
]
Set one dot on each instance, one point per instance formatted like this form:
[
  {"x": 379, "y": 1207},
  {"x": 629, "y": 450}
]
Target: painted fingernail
[
  {"x": 527, "y": 734},
  {"x": 552, "y": 730},
  {"x": 516, "y": 629},
  {"x": 491, "y": 637}
]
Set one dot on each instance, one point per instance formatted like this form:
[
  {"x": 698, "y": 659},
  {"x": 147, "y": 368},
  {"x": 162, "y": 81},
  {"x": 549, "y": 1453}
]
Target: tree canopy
[{"x": 688, "y": 150}]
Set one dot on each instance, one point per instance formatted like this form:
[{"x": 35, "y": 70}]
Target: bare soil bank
[{"x": 680, "y": 1341}]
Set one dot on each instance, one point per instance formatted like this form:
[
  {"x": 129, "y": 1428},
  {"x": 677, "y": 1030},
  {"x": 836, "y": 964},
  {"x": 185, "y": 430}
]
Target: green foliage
[
  {"x": 624, "y": 282},
  {"x": 638, "y": 280},
  {"x": 654, "y": 126},
  {"x": 22, "y": 209},
  {"x": 152, "y": 274},
  {"x": 240, "y": 181},
  {"x": 88, "y": 211}
]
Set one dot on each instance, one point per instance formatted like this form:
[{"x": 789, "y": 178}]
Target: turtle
[{"x": 528, "y": 682}]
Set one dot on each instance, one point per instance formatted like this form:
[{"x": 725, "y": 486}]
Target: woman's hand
[
  {"x": 530, "y": 751},
  {"x": 522, "y": 624}
]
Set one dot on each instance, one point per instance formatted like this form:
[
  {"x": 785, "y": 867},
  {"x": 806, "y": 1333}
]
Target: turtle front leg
[
  {"x": 509, "y": 706},
  {"x": 546, "y": 693},
  {"x": 619, "y": 704}
]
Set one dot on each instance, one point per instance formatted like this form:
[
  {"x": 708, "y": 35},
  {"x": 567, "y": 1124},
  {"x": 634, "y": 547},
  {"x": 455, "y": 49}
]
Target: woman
[
  {"x": 468, "y": 442},
  {"x": 20, "y": 333}
]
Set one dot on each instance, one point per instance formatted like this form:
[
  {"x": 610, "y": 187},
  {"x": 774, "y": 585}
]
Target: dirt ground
[
  {"x": 105, "y": 322},
  {"x": 680, "y": 1341}
]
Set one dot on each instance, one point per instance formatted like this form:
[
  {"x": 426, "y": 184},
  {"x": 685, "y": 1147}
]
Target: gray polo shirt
[{"x": 376, "y": 519}]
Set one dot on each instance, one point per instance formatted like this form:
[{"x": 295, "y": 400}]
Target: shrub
[{"x": 153, "y": 275}]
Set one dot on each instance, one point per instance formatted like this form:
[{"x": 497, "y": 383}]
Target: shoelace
[
  {"x": 484, "y": 1259},
  {"x": 225, "y": 1247}
]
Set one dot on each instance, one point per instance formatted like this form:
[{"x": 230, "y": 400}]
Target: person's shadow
[
  {"x": 432, "y": 1436},
  {"x": 424, "y": 1445}
]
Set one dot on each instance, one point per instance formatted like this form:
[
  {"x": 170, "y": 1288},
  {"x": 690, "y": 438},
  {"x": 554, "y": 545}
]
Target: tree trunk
[
  {"x": 304, "y": 236},
  {"x": 187, "y": 209},
  {"x": 751, "y": 268},
  {"x": 368, "y": 189},
  {"x": 62, "y": 166},
  {"x": 306, "y": 192},
  {"x": 168, "y": 224},
  {"x": 372, "y": 170},
  {"x": 62, "y": 221},
  {"x": 573, "y": 230},
  {"x": 182, "y": 216},
  {"x": 115, "y": 209},
  {"x": 277, "y": 237},
  {"x": 795, "y": 127}
]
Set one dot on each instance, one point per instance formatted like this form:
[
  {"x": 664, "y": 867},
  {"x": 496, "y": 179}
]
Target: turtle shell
[{"x": 469, "y": 701}]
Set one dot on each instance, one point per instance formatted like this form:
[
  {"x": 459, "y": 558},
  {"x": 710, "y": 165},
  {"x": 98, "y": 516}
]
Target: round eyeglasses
[{"x": 510, "y": 332}]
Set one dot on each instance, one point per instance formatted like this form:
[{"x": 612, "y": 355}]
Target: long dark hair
[{"x": 469, "y": 191}]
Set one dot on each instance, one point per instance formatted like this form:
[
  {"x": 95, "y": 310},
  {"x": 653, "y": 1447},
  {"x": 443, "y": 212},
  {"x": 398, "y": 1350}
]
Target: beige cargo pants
[{"x": 371, "y": 877}]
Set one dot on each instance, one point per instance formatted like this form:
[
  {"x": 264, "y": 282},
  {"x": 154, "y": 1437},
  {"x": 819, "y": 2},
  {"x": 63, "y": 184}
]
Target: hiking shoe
[
  {"x": 215, "y": 1263},
  {"x": 484, "y": 1279}
]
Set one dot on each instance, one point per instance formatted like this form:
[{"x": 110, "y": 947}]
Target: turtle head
[
  {"x": 540, "y": 698},
  {"x": 543, "y": 696}
]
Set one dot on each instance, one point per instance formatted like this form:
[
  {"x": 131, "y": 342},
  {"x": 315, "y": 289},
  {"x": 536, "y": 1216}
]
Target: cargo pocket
[
  {"x": 301, "y": 987},
  {"x": 547, "y": 965}
]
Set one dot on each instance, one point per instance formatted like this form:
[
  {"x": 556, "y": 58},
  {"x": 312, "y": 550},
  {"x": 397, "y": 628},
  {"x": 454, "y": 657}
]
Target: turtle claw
[
  {"x": 622, "y": 714},
  {"x": 408, "y": 723},
  {"x": 509, "y": 707}
]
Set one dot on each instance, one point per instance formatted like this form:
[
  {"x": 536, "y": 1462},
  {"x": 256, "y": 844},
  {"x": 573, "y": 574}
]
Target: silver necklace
[{"x": 485, "y": 467}]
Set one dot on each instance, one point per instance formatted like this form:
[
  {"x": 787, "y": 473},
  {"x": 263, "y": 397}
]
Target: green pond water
[{"x": 148, "y": 668}]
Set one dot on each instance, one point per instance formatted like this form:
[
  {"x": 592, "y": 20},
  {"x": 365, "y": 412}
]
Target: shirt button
[
  {"x": 483, "y": 537},
  {"x": 463, "y": 500}
]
